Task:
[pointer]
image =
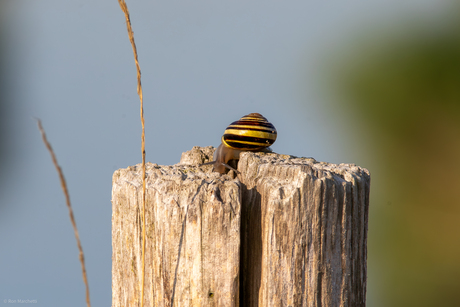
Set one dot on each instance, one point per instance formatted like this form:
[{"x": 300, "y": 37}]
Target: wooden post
[{"x": 287, "y": 232}]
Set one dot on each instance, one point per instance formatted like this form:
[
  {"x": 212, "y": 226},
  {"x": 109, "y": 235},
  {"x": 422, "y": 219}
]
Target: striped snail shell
[{"x": 252, "y": 132}]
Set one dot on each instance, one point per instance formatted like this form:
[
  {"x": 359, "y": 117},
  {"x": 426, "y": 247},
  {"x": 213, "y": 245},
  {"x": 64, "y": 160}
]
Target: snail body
[{"x": 252, "y": 132}]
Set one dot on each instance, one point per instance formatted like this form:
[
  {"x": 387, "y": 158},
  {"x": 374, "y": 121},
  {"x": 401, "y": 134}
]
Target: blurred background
[{"x": 375, "y": 83}]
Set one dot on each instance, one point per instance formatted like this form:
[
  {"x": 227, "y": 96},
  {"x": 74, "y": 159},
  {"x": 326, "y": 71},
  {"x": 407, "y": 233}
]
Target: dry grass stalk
[
  {"x": 124, "y": 8},
  {"x": 67, "y": 198}
]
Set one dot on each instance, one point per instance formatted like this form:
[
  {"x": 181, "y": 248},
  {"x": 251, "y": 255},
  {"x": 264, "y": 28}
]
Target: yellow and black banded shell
[{"x": 251, "y": 132}]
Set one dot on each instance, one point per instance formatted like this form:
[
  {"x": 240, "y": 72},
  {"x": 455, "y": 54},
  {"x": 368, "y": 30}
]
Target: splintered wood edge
[{"x": 189, "y": 166}]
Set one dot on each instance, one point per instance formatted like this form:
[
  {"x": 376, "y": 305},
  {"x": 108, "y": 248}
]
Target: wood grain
[{"x": 287, "y": 231}]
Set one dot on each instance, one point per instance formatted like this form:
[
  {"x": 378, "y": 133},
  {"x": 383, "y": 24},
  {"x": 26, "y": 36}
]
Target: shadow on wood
[{"x": 287, "y": 231}]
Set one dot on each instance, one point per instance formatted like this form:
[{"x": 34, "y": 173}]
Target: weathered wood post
[{"x": 287, "y": 231}]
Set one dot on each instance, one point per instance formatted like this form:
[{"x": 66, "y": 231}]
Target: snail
[{"x": 252, "y": 132}]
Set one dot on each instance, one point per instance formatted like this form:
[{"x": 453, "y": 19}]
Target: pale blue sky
[{"x": 204, "y": 64}]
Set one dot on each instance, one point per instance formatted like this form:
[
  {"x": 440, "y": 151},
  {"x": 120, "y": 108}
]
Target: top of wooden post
[{"x": 251, "y": 165}]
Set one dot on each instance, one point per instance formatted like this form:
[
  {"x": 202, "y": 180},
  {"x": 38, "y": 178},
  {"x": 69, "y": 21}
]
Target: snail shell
[{"x": 252, "y": 132}]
